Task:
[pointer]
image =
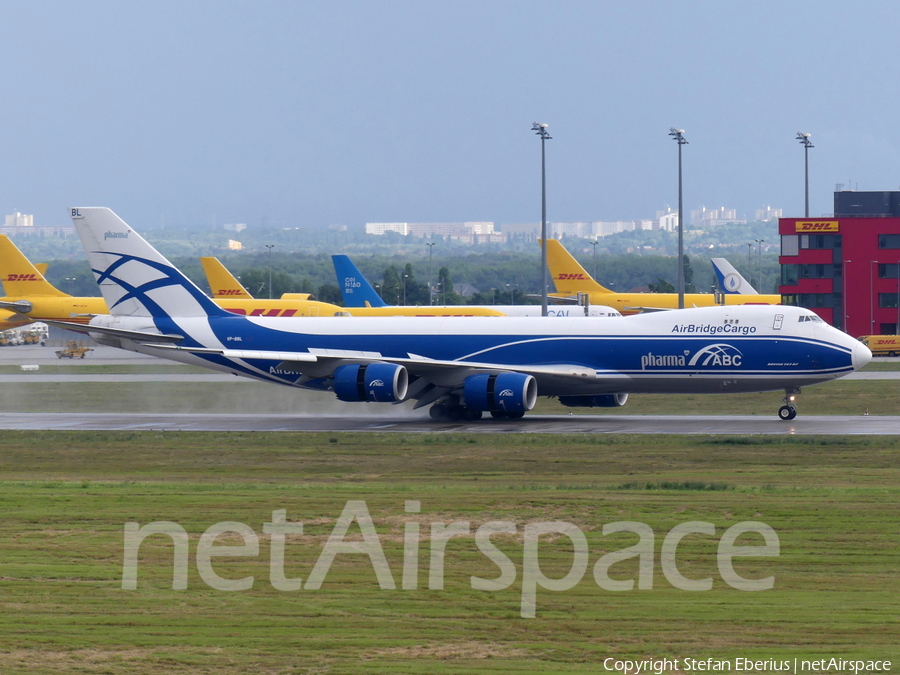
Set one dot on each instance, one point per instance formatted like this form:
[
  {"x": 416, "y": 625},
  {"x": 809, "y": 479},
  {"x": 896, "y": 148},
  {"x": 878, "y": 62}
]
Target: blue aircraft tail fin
[
  {"x": 730, "y": 280},
  {"x": 356, "y": 291},
  {"x": 134, "y": 278}
]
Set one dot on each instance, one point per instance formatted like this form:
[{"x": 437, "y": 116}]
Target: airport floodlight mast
[
  {"x": 270, "y": 247},
  {"x": 750, "y": 262},
  {"x": 759, "y": 243},
  {"x": 594, "y": 244},
  {"x": 541, "y": 130},
  {"x": 807, "y": 144},
  {"x": 430, "y": 246},
  {"x": 678, "y": 136}
]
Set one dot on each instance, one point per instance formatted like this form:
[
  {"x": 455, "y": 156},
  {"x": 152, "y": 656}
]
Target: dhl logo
[
  {"x": 262, "y": 312},
  {"x": 21, "y": 277},
  {"x": 571, "y": 277},
  {"x": 817, "y": 226},
  {"x": 228, "y": 291}
]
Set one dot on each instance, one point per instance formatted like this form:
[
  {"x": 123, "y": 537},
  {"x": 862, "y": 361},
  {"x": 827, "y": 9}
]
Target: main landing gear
[
  {"x": 788, "y": 411},
  {"x": 454, "y": 412}
]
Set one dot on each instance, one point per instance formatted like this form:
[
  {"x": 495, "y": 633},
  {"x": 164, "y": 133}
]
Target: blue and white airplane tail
[
  {"x": 134, "y": 278},
  {"x": 356, "y": 291},
  {"x": 730, "y": 280}
]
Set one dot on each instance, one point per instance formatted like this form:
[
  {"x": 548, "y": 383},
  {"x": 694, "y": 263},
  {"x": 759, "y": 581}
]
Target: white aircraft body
[
  {"x": 461, "y": 366},
  {"x": 561, "y": 311}
]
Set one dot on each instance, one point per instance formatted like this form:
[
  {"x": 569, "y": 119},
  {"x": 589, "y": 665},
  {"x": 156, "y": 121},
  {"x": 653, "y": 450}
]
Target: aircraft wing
[
  {"x": 448, "y": 374},
  {"x": 434, "y": 374},
  {"x": 416, "y": 365}
]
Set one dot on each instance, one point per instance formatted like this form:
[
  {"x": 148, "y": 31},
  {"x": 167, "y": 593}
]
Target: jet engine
[
  {"x": 378, "y": 382},
  {"x": 508, "y": 392},
  {"x": 602, "y": 401}
]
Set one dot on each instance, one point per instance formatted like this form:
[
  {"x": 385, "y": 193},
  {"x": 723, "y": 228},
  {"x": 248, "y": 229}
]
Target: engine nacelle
[
  {"x": 378, "y": 382},
  {"x": 601, "y": 401},
  {"x": 510, "y": 392}
]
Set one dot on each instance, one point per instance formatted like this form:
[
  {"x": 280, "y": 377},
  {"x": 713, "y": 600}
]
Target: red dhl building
[{"x": 846, "y": 267}]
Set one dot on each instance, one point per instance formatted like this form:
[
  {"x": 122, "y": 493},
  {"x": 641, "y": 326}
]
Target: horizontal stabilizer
[
  {"x": 648, "y": 309},
  {"x": 134, "y": 335},
  {"x": 245, "y": 354},
  {"x": 19, "y": 306}
]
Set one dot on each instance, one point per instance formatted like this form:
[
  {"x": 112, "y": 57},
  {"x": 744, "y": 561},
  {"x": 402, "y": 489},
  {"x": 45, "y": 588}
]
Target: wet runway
[
  {"x": 415, "y": 423},
  {"x": 392, "y": 420}
]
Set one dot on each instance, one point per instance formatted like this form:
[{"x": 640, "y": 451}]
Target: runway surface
[
  {"x": 390, "y": 420},
  {"x": 545, "y": 424}
]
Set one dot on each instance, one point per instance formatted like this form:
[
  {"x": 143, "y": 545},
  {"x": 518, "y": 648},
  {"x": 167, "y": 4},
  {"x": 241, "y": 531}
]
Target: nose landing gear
[{"x": 788, "y": 411}]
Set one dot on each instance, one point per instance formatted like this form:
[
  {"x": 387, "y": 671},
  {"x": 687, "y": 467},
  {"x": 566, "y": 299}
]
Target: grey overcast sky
[{"x": 343, "y": 112}]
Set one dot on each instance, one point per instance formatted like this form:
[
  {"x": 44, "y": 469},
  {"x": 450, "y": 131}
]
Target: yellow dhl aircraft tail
[
  {"x": 19, "y": 277},
  {"x": 222, "y": 283},
  {"x": 568, "y": 275}
]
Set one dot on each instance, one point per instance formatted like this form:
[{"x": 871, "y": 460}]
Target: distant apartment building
[
  {"x": 383, "y": 228},
  {"x": 667, "y": 220},
  {"x": 22, "y": 223},
  {"x": 768, "y": 214},
  {"x": 590, "y": 229},
  {"x": 474, "y": 232},
  {"x": 19, "y": 220},
  {"x": 234, "y": 227},
  {"x": 234, "y": 245},
  {"x": 704, "y": 217},
  {"x": 558, "y": 230}
]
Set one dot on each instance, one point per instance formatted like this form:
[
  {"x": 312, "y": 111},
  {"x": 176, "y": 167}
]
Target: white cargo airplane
[{"x": 462, "y": 366}]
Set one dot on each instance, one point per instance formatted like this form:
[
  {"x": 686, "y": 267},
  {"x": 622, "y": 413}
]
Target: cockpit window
[{"x": 810, "y": 317}]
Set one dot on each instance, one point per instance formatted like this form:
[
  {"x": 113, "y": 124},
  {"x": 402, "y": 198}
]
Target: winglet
[
  {"x": 568, "y": 275},
  {"x": 356, "y": 291},
  {"x": 134, "y": 278},
  {"x": 221, "y": 282},
  {"x": 20, "y": 278},
  {"x": 730, "y": 280}
]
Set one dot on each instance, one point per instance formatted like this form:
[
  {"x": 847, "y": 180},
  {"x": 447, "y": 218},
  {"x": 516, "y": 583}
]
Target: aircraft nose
[{"x": 861, "y": 355}]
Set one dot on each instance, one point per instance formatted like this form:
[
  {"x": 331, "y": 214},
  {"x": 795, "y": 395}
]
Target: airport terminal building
[{"x": 846, "y": 267}]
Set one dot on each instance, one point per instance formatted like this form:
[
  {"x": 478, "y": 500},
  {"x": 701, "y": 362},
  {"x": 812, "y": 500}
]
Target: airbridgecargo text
[
  {"x": 709, "y": 329},
  {"x": 532, "y": 574}
]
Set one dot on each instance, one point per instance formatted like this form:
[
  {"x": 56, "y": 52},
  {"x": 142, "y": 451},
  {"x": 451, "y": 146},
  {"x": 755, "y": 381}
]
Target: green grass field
[{"x": 66, "y": 498}]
